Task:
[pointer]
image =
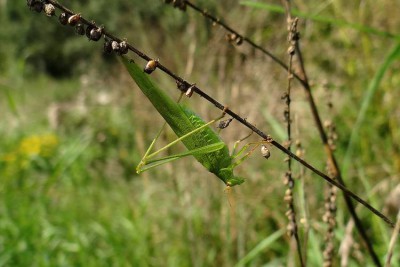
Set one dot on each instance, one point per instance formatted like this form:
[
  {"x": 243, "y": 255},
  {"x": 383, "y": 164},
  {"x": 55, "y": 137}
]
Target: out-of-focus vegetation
[{"x": 74, "y": 126}]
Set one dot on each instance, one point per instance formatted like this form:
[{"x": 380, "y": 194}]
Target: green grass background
[{"x": 74, "y": 126}]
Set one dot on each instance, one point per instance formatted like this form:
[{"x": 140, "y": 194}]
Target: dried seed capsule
[
  {"x": 176, "y": 3},
  {"x": 265, "y": 152},
  {"x": 181, "y": 86},
  {"x": 96, "y": 33},
  {"x": 74, "y": 19},
  {"x": 80, "y": 29},
  {"x": 182, "y": 6},
  {"x": 50, "y": 10},
  {"x": 123, "y": 47},
  {"x": 115, "y": 46},
  {"x": 30, "y": 3},
  {"x": 291, "y": 50},
  {"x": 107, "y": 46},
  {"x": 189, "y": 91},
  {"x": 234, "y": 38},
  {"x": 63, "y": 18},
  {"x": 88, "y": 29},
  {"x": 239, "y": 40},
  {"x": 231, "y": 37},
  {"x": 225, "y": 123},
  {"x": 38, "y": 7},
  {"x": 151, "y": 66},
  {"x": 35, "y": 5}
]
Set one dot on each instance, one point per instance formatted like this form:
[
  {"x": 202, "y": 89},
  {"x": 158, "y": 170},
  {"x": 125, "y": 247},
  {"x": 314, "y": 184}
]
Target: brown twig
[
  {"x": 289, "y": 181},
  {"x": 392, "y": 243}
]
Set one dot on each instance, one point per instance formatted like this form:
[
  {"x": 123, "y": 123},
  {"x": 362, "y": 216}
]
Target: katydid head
[{"x": 227, "y": 176}]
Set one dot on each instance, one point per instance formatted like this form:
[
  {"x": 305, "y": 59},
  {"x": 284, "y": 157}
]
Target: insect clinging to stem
[{"x": 200, "y": 140}]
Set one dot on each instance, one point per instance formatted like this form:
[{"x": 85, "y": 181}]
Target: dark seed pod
[
  {"x": 80, "y": 29},
  {"x": 178, "y": 4},
  {"x": 239, "y": 40},
  {"x": 74, "y": 19},
  {"x": 63, "y": 18},
  {"x": 96, "y": 33},
  {"x": 50, "y": 10},
  {"x": 167, "y": 1},
  {"x": 107, "y": 46},
  {"x": 35, "y": 5},
  {"x": 88, "y": 30},
  {"x": 182, "y": 6},
  {"x": 115, "y": 46},
  {"x": 123, "y": 47},
  {"x": 230, "y": 37},
  {"x": 151, "y": 66},
  {"x": 181, "y": 86},
  {"x": 225, "y": 123},
  {"x": 30, "y": 3},
  {"x": 190, "y": 90},
  {"x": 234, "y": 38}
]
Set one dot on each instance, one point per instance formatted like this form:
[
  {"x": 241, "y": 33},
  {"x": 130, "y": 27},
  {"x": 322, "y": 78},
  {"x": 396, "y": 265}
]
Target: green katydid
[{"x": 200, "y": 140}]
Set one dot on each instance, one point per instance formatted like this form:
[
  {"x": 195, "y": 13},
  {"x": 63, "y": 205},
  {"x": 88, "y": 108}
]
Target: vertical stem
[{"x": 291, "y": 213}]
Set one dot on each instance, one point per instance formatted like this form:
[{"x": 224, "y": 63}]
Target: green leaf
[
  {"x": 367, "y": 99},
  {"x": 266, "y": 242}
]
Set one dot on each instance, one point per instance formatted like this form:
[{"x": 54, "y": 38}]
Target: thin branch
[
  {"x": 289, "y": 181},
  {"x": 393, "y": 239}
]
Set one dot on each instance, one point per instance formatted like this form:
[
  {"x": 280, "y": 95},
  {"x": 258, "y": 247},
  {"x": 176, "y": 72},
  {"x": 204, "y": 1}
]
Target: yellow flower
[
  {"x": 30, "y": 146},
  {"x": 38, "y": 145}
]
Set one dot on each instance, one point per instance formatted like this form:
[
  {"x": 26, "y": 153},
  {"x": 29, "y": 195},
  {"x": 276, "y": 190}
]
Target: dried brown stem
[{"x": 289, "y": 181}]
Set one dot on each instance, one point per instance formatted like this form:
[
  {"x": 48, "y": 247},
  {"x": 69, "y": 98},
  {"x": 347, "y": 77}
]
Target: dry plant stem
[
  {"x": 393, "y": 239},
  {"x": 289, "y": 181},
  {"x": 332, "y": 160},
  {"x": 332, "y": 163},
  {"x": 238, "y": 118},
  {"x": 330, "y": 209}
]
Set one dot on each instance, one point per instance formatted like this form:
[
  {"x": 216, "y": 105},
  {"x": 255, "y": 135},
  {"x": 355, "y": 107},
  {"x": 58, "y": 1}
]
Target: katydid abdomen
[{"x": 183, "y": 121}]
